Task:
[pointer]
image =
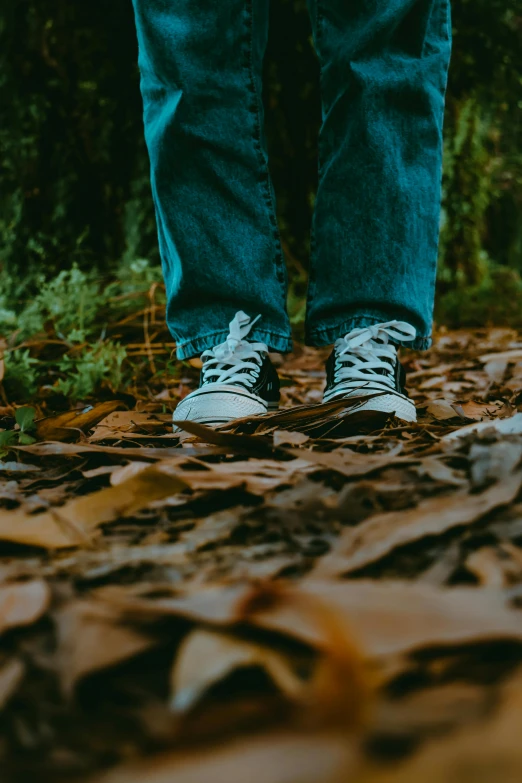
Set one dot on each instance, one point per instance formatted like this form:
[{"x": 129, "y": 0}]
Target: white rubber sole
[
  {"x": 220, "y": 406},
  {"x": 402, "y": 407}
]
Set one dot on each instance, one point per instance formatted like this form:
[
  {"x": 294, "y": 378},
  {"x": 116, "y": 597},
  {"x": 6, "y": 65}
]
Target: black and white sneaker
[
  {"x": 237, "y": 379},
  {"x": 364, "y": 362}
]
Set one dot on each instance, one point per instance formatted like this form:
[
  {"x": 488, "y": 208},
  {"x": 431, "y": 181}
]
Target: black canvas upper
[
  {"x": 398, "y": 373},
  {"x": 266, "y": 385}
]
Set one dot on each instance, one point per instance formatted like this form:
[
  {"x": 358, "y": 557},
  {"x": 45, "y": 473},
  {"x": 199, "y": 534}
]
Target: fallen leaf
[
  {"x": 11, "y": 675},
  {"x": 477, "y": 410},
  {"x": 73, "y": 523},
  {"x": 206, "y": 657},
  {"x": 486, "y": 753},
  {"x": 381, "y": 534},
  {"x": 239, "y": 444},
  {"x": 437, "y": 470},
  {"x": 285, "y": 438},
  {"x": 497, "y": 567},
  {"x": 496, "y": 369},
  {"x": 22, "y": 603},
  {"x": 432, "y": 710},
  {"x": 510, "y": 357},
  {"x": 281, "y": 756},
  {"x": 123, "y": 423},
  {"x": 511, "y": 426},
  {"x": 70, "y": 425},
  {"x": 18, "y": 467},
  {"x": 493, "y": 461},
  {"x": 389, "y": 618},
  {"x": 379, "y": 618},
  {"x": 91, "y": 639},
  {"x": 55, "y": 449},
  {"x": 441, "y": 410}
]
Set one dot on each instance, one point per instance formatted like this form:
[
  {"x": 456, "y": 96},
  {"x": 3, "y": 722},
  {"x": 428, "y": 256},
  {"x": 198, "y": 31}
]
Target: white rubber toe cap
[{"x": 218, "y": 406}]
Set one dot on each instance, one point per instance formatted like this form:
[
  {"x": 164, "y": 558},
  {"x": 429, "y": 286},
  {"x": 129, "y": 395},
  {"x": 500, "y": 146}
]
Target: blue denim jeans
[{"x": 375, "y": 232}]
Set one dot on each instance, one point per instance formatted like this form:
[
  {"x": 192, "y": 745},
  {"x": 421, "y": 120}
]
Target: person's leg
[
  {"x": 384, "y": 66},
  {"x": 201, "y": 70}
]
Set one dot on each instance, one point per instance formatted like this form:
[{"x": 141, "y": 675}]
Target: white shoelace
[
  {"x": 366, "y": 355},
  {"x": 236, "y": 360}
]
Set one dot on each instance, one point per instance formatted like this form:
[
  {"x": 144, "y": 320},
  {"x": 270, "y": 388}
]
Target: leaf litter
[{"x": 314, "y": 596}]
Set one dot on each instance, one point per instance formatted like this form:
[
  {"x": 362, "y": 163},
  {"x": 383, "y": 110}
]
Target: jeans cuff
[
  {"x": 188, "y": 349},
  {"x": 328, "y": 335}
]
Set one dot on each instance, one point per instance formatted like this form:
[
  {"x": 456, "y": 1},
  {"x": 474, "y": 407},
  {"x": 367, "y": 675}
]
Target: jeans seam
[
  {"x": 421, "y": 341},
  {"x": 443, "y": 31},
  {"x": 255, "y": 109},
  {"x": 182, "y": 343},
  {"x": 277, "y": 342}
]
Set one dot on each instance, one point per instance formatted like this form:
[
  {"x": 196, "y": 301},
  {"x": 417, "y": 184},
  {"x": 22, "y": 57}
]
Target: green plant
[
  {"x": 21, "y": 375},
  {"x": 93, "y": 367},
  {"x": 25, "y": 424},
  {"x": 69, "y": 303}
]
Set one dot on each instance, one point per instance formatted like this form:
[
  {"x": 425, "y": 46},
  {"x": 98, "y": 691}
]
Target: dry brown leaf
[
  {"x": 71, "y": 425},
  {"x": 477, "y": 410},
  {"x": 510, "y": 357},
  {"x": 381, "y": 534},
  {"x": 122, "y": 423},
  {"x": 22, "y": 603},
  {"x": 384, "y": 618},
  {"x": 441, "y": 410},
  {"x": 11, "y": 675},
  {"x": 90, "y": 639},
  {"x": 497, "y": 567},
  {"x": 510, "y": 426},
  {"x": 432, "y": 710},
  {"x": 212, "y": 604},
  {"x": 490, "y": 752},
  {"x": 391, "y": 618},
  {"x": 74, "y": 523},
  {"x": 273, "y": 757},
  {"x": 239, "y": 444},
  {"x": 119, "y": 475},
  {"x": 493, "y": 461},
  {"x": 256, "y": 476},
  {"x": 335, "y": 419},
  {"x": 350, "y": 464},
  {"x": 437, "y": 470},
  {"x": 286, "y": 438},
  {"x": 496, "y": 369},
  {"x": 207, "y": 657},
  {"x": 57, "y": 449}
]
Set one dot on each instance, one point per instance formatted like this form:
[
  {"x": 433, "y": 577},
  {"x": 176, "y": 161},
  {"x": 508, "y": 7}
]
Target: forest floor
[{"x": 309, "y": 597}]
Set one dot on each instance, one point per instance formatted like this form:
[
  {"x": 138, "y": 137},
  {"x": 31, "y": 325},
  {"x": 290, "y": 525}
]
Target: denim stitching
[
  {"x": 442, "y": 26},
  {"x": 272, "y": 332},
  {"x": 328, "y": 335},
  {"x": 254, "y": 107},
  {"x": 278, "y": 342}
]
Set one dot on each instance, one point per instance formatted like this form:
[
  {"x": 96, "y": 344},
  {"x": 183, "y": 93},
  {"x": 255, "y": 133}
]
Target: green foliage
[
  {"x": 21, "y": 375},
  {"x": 69, "y": 303},
  {"x": 93, "y": 367},
  {"x": 25, "y": 419},
  {"x": 25, "y": 424},
  {"x": 469, "y": 171},
  {"x": 72, "y": 312},
  {"x": 496, "y": 299}
]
